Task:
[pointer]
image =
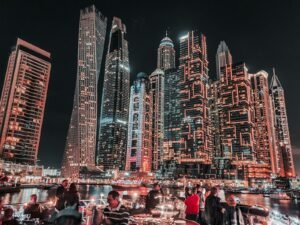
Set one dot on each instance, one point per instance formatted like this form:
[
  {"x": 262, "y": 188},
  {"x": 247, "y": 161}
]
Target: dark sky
[{"x": 264, "y": 34}]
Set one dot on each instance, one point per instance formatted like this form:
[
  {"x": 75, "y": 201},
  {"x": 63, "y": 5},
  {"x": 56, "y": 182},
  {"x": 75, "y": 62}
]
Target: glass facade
[
  {"x": 282, "y": 127},
  {"x": 111, "y": 148}
]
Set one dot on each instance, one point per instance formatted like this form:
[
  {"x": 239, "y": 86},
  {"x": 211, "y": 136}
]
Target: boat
[{"x": 280, "y": 196}]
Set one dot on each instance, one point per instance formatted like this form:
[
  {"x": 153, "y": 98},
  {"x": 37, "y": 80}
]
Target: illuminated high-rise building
[
  {"x": 282, "y": 127},
  {"x": 157, "y": 85},
  {"x": 193, "y": 87},
  {"x": 81, "y": 140},
  {"x": 23, "y": 102},
  {"x": 139, "y": 147},
  {"x": 166, "y": 54},
  {"x": 236, "y": 114},
  {"x": 223, "y": 57},
  {"x": 265, "y": 144},
  {"x": 172, "y": 120},
  {"x": 111, "y": 148}
]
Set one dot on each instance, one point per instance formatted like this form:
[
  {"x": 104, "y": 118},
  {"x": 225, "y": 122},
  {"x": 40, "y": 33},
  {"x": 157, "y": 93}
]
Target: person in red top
[{"x": 192, "y": 206}]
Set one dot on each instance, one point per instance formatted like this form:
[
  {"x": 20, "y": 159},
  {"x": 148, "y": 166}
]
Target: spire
[
  {"x": 275, "y": 81},
  {"x": 222, "y": 47},
  {"x": 166, "y": 33},
  {"x": 223, "y": 57}
]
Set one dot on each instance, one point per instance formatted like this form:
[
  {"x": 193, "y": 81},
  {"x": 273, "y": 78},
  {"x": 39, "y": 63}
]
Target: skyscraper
[
  {"x": 193, "y": 86},
  {"x": 265, "y": 143},
  {"x": 166, "y": 54},
  {"x": 236, "y": 114},
  {"x": 23, "y": 102},
  {"x": 111, "y": 149},
  {"x": 223, "y": 57},
  {"x": 282, "y": 127},
  {"x": 157, "y": 85},
  {"x": 172, "y": 121},
  {"x": 81, "y": 140},
  {"x": 139, "y": 147}
]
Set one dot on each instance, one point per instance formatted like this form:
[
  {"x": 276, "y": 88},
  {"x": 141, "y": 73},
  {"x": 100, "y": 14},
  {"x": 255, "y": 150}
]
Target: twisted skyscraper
[
  {"x": 81, "y": 139},
  {"x": 111, "y": 149}
]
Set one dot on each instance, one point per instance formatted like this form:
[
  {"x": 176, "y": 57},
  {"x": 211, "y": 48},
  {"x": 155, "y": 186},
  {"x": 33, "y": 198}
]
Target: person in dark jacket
[
  {"x": 233, "y": 214},
  {"x": 213, "y": 209},
  {"x": 152, "y": 199},
  {"x": 60, "y": 195},
  {"x": 33, "y": 208},
  {"x": 8, "y": 217},
  {"x": 72, "y": 196}
]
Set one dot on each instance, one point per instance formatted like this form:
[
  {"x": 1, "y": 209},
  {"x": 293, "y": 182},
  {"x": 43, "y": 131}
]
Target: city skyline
[{"x": 212, "y": 51}]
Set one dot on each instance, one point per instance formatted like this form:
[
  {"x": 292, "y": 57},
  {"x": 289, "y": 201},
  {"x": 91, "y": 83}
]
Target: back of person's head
[
  {"x": 194, "y": 190},
  {"x": 213, "y": 190},
  {"x": 33, "y": 198},
  {"x": 73, "y": 188},
  {"x": 198, "y": 186},
  {"x": 114, "y": 194},
  {"x": 8, "y": 213}
]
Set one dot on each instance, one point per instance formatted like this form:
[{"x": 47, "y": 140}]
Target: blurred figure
[
  {"x": 33, "y": 208},
  {"x": 71, "y": 196},
  {"x": 8, "y": 217},
  {"x": 192, "y": 205},
  {"x": 60, "y": 195},
  {"x": 213, "y": 208},
  {"x": 221, "y": 194},
  {"x": 201, "y": 194},
  {"x": 187, "y": 192},
  {"x": 233, "y": 214},
  {"x": 115, "y": 213},
  {"x": 1, "y": 210},
  {"x": 152, "y": 199}
]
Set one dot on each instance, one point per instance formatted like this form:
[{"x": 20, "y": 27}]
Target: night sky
[{"x": 264, "y": 34}]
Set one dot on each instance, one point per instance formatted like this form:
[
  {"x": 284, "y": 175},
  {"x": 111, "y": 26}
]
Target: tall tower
[
  {"x": 166, "y": 54},
  {"x": 236, "y": 114},
  {"x": 157, "y": 81},
  {"x": 172, "y": 121},
  {"x": 111, "y": 149},
  {"x": 265, "y": 144},
  {"x": 23, "y": 102},
  {"x": 223, "y": 57},
  {"x": 139, "y": 147},
  {"x": 282, "y": 127},
  {"x": 193, "y": 86},
  {"x": 81, "y": 140}
]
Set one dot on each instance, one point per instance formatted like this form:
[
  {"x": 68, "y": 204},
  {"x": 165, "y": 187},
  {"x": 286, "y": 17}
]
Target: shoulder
[{"x": 123, "y": 209}]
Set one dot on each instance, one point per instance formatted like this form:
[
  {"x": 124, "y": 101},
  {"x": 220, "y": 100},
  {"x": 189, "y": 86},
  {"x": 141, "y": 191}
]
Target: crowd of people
[
  {"x": 67, "y": 205},
  {"x": 210, "y": 208},
  {"x": 207, "y": 207}
]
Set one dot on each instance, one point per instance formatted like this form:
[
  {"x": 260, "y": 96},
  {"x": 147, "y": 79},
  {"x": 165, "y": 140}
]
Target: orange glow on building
[{"x": 23, "y": 102}]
